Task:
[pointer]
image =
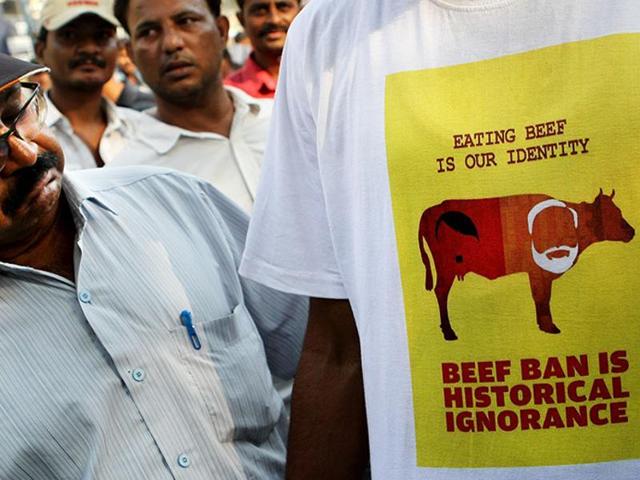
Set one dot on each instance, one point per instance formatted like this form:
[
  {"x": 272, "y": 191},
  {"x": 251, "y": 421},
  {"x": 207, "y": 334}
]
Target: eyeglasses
[{"x": 27, "y": 121}]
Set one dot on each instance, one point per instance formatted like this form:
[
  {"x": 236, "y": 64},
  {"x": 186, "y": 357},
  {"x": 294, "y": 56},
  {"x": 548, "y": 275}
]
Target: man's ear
[
  {"x": 39, "y": 48},
  {"x": 240, "y": 17},
  {"x": 223, "y": 27}
]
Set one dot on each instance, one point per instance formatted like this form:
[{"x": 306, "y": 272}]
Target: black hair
[
  {"x": 121, "y": 8},
  {"x": 241, "y": 3},
  {"x": 42, "y": 35}
]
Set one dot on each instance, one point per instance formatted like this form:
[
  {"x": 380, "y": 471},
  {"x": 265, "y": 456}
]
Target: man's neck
[
  {"x": 212, "y": 113},
  {"x": 51, "y": 249},
  {"x": 268, "y": 61},
  {"x": 78, "y": 106},
  {"x": 85, "y": 114}
]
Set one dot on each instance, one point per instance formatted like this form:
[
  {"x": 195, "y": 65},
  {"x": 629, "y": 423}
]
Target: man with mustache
[
  {"x": 77, "y": 42},
  {"x": 199, "y": 126},
  {"x": 266, "y": 23},
  {"x": 130, "y": 347}
]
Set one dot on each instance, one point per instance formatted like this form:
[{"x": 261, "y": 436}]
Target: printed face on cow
[
  {"x": 531, "y": 233},
  {"x": 614, "y": 226},
  {"x": 553, "y": 227}
]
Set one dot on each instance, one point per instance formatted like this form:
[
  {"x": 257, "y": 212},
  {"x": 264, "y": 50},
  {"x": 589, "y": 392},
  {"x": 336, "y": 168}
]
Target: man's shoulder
[
  {"x": 127, "y": 113},
  {"x": 320, "y": 6},
  {"x": 325, "y": 30},
  {"x": 262, "y": 107},
  {"x": 114, "y": 178},
  {"x": 164, "y": 186},
  {"x": 151, "y": 139},
  {"x": 132, "y": 120},
  {"x": 166, "y": 198},
  {"x": 319, "y": 11}
]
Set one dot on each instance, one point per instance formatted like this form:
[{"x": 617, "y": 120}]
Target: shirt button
[
  {"x": 138, "y": 375},
  {"x": 85, "y": 296},
  {"x": 184, "y": 461}
]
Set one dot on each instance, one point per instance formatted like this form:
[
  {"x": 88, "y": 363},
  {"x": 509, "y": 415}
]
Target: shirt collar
[
  {"x": 77, "y": 192},
  {"x": 242, "y": 101},
  {"x": 252, "y": 69},
  {"x": 53, "y": 114},
  {"x": 162, "y": 137},
  {"x": 114, "y": 121}
]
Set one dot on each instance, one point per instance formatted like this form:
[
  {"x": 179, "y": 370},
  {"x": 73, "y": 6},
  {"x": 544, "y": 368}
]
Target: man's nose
[
  {"x": 87, "y": 43},
  {"x": 274, "y": 15},
  {"x": 21, "y": 154},
  {"x": 172, "y": 40}
]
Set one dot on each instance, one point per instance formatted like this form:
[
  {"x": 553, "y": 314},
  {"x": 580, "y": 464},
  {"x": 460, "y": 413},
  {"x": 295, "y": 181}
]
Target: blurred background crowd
[
  {"x": 20, "y": 20},
  {"x": 203, "y": 78}
]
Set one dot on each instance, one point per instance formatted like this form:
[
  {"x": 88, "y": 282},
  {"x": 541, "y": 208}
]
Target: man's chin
[
  {"x": 89, "y": 83},
  {"x": 272, "y": 46},
  {"x": 181, "y": 92}
]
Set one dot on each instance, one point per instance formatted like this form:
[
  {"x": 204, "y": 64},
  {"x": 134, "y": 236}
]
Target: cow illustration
[{"x": 494, "y": 237}]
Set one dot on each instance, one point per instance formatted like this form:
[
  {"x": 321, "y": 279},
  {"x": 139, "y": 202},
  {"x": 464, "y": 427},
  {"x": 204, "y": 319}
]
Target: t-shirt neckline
[{"x": 472, "y": 4}]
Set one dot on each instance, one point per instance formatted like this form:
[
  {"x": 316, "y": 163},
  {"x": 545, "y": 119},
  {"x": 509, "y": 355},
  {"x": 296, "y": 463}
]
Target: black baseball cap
[{"x": 12, "y": 70}]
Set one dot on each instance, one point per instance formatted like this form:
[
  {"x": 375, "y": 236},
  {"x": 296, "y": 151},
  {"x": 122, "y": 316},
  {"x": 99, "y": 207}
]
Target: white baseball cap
[{"x": 56, "y": 13}]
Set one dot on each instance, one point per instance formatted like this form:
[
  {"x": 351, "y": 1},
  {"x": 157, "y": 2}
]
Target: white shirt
[
  {"x": 120, "y": 127},
  {"x": 371, "y": 104},
  {"x": 231, "y": 164}
]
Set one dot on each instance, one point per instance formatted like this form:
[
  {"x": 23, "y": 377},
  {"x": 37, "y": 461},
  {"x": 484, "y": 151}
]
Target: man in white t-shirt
[
  {"x": 199, "y": 126},
  {"x": 462, "y": 176},
  {"x": 77, "y": 42}
]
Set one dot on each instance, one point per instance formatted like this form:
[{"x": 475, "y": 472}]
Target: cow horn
[
  {"x": 601, "y": 192},
  {"x": 613, "y": 193}
]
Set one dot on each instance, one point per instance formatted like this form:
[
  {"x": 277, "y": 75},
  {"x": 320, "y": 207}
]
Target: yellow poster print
[{"x": 515, "y": 184}]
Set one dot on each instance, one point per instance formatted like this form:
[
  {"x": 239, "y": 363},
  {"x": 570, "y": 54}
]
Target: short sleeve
[{"x": 289, "y": 244}]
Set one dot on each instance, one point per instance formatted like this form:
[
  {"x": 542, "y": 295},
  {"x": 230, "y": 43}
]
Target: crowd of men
[
  {"x": 179, "y": 243},
  {"x": 218, "y": 124}
]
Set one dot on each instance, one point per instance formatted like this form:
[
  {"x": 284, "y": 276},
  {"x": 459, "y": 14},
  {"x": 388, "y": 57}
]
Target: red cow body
[{"x": 494, "y": 237}]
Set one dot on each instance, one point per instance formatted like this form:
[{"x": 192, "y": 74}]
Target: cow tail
[{"x": 428, "y": 284}]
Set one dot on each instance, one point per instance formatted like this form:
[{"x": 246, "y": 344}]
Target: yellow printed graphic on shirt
[{"x": 515, "y": 185}]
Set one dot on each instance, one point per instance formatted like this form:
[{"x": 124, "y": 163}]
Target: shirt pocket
[{"x": 231, "y": 374}]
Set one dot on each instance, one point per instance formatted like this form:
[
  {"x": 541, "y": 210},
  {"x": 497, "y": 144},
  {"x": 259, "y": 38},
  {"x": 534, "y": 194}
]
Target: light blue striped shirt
[{"x": 100, "y": 379}]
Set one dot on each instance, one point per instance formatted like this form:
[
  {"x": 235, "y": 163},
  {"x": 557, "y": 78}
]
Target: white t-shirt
[
  {"x": 419, "y": 143},
  {"x": 231, "y": 164}
]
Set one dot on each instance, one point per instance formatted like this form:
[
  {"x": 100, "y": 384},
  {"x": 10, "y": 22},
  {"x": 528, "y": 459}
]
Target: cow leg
[
  {"x": 443, "y": 285},
  {"x": 541, "y": 292}
]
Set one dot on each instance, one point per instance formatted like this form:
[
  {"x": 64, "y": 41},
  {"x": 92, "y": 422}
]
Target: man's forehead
[{"x": 166, "y": 7}]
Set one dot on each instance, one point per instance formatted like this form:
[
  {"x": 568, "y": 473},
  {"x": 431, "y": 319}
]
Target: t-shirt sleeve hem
[{"x": 299, "y": 283}]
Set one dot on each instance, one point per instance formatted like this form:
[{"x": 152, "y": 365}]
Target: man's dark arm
[{"x": 328, "y": 435}]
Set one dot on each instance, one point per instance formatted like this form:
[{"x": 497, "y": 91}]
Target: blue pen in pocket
[{"x": 187, "y": 321}]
